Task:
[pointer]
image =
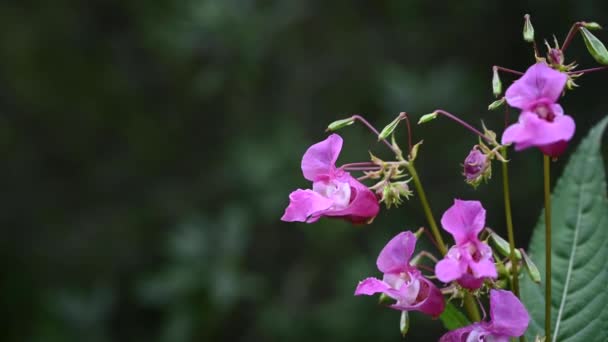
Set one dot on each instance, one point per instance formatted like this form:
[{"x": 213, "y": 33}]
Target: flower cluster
[{"x": 471, "y": 267}]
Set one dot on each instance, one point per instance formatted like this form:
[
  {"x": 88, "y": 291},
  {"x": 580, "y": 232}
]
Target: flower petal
[
  {"x": 460, "y": 334},
  {"x": 531, "y": 130},
  {"x": 305, "y": 206},
  {"x": 395, "y": 256},
  {"x": 429, "y": 300},
  {"x": 363, "y": 203},
  {"x": 539, "y": 81},
  {"x": 321, "y": 157},
  {"x": 508, "y": 315},
  {"x": 464, "y": 220},
  {"x": 448, "y": 270},
  {"x": 370, "y": 286}
]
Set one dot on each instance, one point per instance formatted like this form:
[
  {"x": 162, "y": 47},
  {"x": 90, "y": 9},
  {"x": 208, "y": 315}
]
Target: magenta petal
[
  {"x": 539, "y": 81},
  {"x": 459, "y": 335},
  {"x": 321, "y": 157},
  {"x": 508, "y": 315},
  {"x": 433, "y": 303},
  {"x": 363, "y": 206},
  {"x": 484, "y": 268},
  {"x": 305, "y": 206},
  {"x": 531, "y": 130},
  {"x": 470, "y": 282},
  {"x": 370, "y": 286},
  {"x": 396, "y": 255},
  {"x": 448, "y": 270},
  {"x": 554, "y": 150},
  {"x": 464, "y": 220}
]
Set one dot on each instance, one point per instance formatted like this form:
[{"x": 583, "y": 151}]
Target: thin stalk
[
  {"x": 463, "y": 123},
  {"x": 509, "y": 219},
  {"x": 409, "y": 132},
  {"x": 427, "y": 209},
  {"x": 573, "y": 30},
  {"x": 509, "y": 70},
  {"x": 469, "y": 302},
  {"x": 586, "y": 71},
  {"x": 471, "y": 307},
  {"x": 547, "y": 177},
  {"x": 374, "y": 130},
  {"x": 510, "y": 232}
]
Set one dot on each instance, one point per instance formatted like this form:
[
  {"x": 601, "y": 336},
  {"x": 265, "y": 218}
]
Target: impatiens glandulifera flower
[
  {"x": 402, "y": 281},
  {"x": 542, "y": 122},
  {"x": 508, "y": 318},
  {"x": 334, "y": 193},
  {"x": 470, "y": 261},
  {"x": 476, "y": 167}
]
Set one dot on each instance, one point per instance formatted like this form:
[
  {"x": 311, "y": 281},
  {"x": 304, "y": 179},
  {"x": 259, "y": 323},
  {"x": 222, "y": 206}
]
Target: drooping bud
[
  {"x": 477, "y": 167},
  {"x": 595, "y": 47},
  {"x": 502, "y": 246},
  {"x": 338, "y": 124},
  {"x": 427, "y": 117},
  {"x": 496, "y": 83},
  {"x": 531, "y": 268},
  {"x": 390, "y": 128},
  {"x": 528, "y": 29},
  {"x": 496, "y": 104},
  {"x": 592, "y": 26}
]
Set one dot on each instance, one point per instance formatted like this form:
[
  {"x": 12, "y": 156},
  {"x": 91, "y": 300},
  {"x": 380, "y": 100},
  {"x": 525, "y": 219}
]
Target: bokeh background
[{"x": 149, "y": 148}]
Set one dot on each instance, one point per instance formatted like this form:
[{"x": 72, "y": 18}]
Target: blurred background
[{"x": 149, "y": 149}]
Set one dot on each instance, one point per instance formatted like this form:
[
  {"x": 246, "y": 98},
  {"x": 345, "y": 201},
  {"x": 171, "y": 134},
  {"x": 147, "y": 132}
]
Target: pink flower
[
  {"x": 508, "y": 318},
  {"x": 334, "y": 192},
  {"x": 470, "y": 261},
  {"x": 542, "y": 122},
  {"x": 402, "y": 281}
]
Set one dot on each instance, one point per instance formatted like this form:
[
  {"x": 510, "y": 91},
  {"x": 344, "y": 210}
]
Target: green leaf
[
  {"x": 452, "y": 318},
  {"x": 595, "y": 46},
  {"x": 580, "y": 251}
]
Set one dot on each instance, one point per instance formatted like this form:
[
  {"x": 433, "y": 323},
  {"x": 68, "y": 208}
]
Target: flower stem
[
  {"x": 509, "y": 218},
  {"x": 510, "y": 233},
  {"x": 586, "y": 71},
  {"x": 463, "y": 123},
  {"x": 573, "y": 30},
  {"x": 374, "y": 130},
  {"x": 469, "y": 301},
  {"x": 427, "y": 209},
  {"x": 547, "y": 176},
  {"x": 515, "y": 72},
  {"x": 471, "y": 307}
]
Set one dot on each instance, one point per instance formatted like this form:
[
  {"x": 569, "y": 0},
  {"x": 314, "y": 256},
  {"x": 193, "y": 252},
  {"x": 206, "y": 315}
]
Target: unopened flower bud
[
  {"x": 392, "y": 193},
  {"x": 476, "y": 167},
  {"x": 555, "y": 56},
  {"x": 528, "y": 29}
]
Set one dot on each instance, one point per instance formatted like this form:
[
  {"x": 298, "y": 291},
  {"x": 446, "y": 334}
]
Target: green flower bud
[
  {"x": 528, "y": 29},
  {"x": 595, "y": 47},
  {"x": 338, "y": 124}
]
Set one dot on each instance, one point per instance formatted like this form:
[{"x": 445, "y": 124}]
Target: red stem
[
  {"x": 374, "y": 130},
  {"x": 463, "y": 123},
  {"x": 519, "y": 73},
  {"x": 571, "y": 33},
  {"x": 586, "y": 71}
]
